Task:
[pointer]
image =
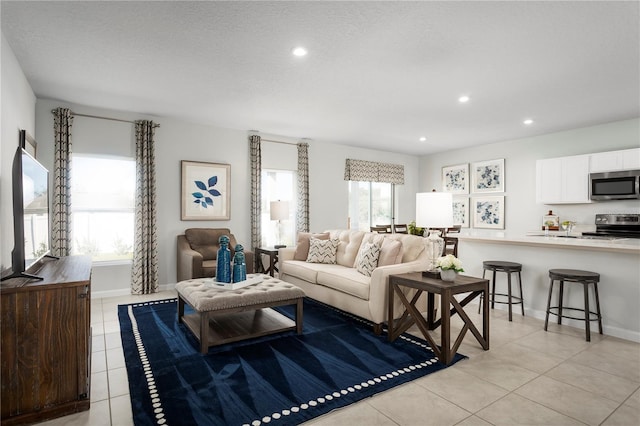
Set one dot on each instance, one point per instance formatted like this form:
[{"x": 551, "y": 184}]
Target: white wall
[
  {"x": 17, "y": 112},
  {"x": 178, "y": 140},
  {"x": 522, "y": 214}
]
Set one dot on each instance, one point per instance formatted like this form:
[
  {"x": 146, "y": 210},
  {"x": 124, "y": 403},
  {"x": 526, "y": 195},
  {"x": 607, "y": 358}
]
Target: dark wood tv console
[{"x": 46, "y": 342}]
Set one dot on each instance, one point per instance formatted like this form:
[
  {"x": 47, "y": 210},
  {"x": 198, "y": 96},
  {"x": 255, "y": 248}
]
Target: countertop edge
[{"x": 575, "y": 244}]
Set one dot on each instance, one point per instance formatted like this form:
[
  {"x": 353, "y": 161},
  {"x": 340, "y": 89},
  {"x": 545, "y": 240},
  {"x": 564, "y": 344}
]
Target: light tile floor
[{"x": 529, "y": 377}]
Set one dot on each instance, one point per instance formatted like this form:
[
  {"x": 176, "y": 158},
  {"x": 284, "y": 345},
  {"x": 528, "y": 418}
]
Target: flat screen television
[{"x": 30, "y": 189}]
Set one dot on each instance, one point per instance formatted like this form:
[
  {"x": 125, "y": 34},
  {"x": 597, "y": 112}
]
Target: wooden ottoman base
[{"x": 224, "y": 316}]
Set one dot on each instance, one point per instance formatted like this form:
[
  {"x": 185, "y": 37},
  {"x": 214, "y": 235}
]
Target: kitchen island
[{"x": 617, "y": 261}]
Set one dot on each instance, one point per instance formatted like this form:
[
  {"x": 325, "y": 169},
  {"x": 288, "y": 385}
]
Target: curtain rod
[
  {"x": 282, "y": 142},
  {"x": 102, "y": 118}
]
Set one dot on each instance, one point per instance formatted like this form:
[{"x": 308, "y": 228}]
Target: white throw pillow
[
  {"x": 367, "y": 259},
  {"x": 322, "y": 251}
]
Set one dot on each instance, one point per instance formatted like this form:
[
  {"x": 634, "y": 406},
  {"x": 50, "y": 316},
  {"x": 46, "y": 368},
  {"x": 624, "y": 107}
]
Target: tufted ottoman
[{"x": 224, "y": 316}]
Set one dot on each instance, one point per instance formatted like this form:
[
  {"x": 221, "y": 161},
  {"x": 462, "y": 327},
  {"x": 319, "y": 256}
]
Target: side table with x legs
[{"x": 449, "y": 306}]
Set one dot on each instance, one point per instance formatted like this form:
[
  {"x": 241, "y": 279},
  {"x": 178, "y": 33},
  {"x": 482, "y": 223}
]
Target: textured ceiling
[{"x": 378, "y": 74}]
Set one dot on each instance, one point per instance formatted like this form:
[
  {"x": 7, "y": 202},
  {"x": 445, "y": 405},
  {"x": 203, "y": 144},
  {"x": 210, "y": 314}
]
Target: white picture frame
[
  {"x": 461, "y": 211},
  {"x": 488, "y": 176},
  {"x": 205, "y": 191},
  {"x": 455, "y": 179},
  {"x": 488, "y": 212}
]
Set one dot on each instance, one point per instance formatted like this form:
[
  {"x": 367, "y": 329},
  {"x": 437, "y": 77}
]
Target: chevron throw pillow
[
  {"x": 367, "y": 259},
  {"x": 322, "y": 251}
]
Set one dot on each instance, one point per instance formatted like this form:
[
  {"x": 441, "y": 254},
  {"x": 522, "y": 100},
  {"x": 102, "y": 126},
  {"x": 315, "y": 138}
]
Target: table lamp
[
  {"x": 434, "y": 210},
  {"x": 279, "y": 211}
]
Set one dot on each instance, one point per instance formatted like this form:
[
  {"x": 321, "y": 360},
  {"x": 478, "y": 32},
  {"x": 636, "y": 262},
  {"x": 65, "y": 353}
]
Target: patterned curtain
[
  {"x": 61, "y": 212},
  {"x": 371, "y": 171},
  {"x": 255, "y": 154},
  {"x": 144, "y": 273},
  {"x": 303, "y": 187}
]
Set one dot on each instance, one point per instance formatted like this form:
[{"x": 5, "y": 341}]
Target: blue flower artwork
[
  {"x": 454, "y": 179},
  {"x": 489, "y": 212},
  {"x": 207, "y": 191},
  {"x": 488, "y": 176}
]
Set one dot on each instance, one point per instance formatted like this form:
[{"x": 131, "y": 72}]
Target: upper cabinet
[
  {"x": 563, "y": 180},
  {"x": 626, "y": 159}
]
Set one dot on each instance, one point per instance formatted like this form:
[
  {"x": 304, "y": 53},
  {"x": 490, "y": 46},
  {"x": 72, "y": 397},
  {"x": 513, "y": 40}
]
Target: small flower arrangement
[{"x": 449, "y": 262}]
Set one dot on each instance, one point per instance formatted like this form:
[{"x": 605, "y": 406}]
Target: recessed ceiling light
[
  {"x": 463, "y": 99},
  {"x": 299, "y": 51},
  {"x": 528, "y": 121},
  {"x": 423, "y": 139}
]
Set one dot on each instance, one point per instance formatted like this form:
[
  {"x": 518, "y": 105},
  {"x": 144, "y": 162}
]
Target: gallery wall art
[
  {"x": 488, "y": 176},
  {"x": 455, "y": 179}
]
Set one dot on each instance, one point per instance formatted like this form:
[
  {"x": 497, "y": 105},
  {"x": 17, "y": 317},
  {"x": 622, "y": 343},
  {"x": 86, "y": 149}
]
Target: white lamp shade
[
  {"x": 279, "y": 210},
  {"x": 434, "y": 210}
]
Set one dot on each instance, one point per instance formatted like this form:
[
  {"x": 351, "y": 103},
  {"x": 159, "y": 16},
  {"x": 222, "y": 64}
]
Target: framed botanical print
[
  {"x": 205, "y": 191},
  {"x": 488, "y": 212},
  {"x": 488, "y": 176},
  {"x": 455, "y": 179},
  {"x": 461, "y": 211}
]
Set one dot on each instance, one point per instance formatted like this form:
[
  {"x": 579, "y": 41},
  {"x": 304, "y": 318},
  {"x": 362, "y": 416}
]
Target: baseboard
[
  {"x": 125, "y": 291},
  {"x": 607, "y": 330}
]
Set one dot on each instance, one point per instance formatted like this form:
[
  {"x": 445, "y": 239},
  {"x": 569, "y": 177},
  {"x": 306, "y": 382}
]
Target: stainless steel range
[{"x": 616, "y": 226}]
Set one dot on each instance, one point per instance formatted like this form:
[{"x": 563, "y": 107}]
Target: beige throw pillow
[
  {"x": 390, "y": 252},
  {"x": 302, "y": 246}
]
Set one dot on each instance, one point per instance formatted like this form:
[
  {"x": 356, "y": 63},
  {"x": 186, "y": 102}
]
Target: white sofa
[{"x": 342, "y": 286}]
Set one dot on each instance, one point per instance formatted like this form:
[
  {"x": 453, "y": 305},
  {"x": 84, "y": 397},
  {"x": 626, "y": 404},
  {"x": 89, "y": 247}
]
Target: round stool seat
[
  {"x": 573, "y": 275},
  {"x": 500, "y": 265}
]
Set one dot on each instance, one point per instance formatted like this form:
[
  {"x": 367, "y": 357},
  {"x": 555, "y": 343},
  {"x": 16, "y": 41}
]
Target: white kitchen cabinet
[
  {"x": 611, "y": 161},
  {"x": 563, "y": 180}
]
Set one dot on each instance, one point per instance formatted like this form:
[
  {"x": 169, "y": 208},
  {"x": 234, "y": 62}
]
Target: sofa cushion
[
  {"x": 302, "y": 270},
  {"x": 390, "y": 252},
  {"x": 322, "y": 251},
  {"x": 367, "y": 259},
  {"x": 302, "y": 246},
  {"x": 348, "y": 248},
  {"x": 345, "y": 280}
]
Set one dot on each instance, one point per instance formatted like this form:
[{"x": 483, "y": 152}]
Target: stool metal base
[{"x": 582, "y": 277}]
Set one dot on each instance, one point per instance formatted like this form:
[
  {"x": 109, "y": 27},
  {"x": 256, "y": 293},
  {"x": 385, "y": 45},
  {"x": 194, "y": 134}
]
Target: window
[
  {"x": 102, "y": 207},
  {"x": 278, "y": 185},
  {"x": 370, "y": 204}
]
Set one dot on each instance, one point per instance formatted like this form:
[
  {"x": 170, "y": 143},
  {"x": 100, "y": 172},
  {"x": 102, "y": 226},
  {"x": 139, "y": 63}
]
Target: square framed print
[
  {"x": 455, "y": 179},
  {"x": 205, "y": 191},
  {"x": 488, "y": 212},
  {"x": 461, "y": 211},
  {"x": 488, "y": 176}
]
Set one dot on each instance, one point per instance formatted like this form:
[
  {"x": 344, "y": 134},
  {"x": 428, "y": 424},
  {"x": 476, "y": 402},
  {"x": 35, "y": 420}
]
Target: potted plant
[{"x": 449, "y": 266}]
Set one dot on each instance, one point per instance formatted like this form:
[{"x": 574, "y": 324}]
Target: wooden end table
[
  {"x": 273, "y": 260},
  {"x": 446, "y": 290}
]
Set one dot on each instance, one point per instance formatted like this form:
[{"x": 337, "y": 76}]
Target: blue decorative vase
[
  {"x": 239, "y": 265},
  {"x": 223, "y": 262}
]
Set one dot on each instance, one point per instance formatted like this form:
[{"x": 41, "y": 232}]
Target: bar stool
[
  {"x": 575, "y": 276},
  {"x": 508, "y": 267}
]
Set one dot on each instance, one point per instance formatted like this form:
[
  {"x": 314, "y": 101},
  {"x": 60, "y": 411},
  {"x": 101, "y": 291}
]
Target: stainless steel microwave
[{"x": 622, "y": 185}]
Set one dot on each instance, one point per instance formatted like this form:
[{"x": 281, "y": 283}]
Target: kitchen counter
[
  {"x": 555, "y": 239},
  {"x": 617, "y": 261}
]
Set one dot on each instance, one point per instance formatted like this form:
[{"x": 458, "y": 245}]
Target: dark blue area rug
[{"x": 282, "y": 379}]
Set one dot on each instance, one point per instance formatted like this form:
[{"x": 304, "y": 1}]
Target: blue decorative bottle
[
  {"x": 223, "y": 263},
  {"x": 239, "y": 265}
]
